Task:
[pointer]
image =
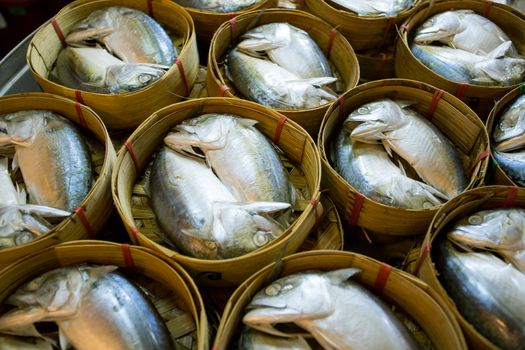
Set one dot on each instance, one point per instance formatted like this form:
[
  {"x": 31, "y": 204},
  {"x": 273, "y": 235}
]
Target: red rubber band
[
  {"x": 460, "y": 93},
  {"x": 78, "y": 96},
  {"x": 215, "y": 348},
  {"x": 487, "y": 8},
  {"x": 331, "y": 38},
  {"x": 314, "y": 202},
  {"x": 129, "y": 147},
  {"x": 356, "y": 210},
  {"x": 178, "y": 62},
  {"x": 150, "y": 7},
  {"x": 382, "y": 64},
  {"x": 341, "y": 101},
  {"x": 481, "y": 156},
  {"x": 279, "y": 129},
  {"x": 59, "y": 32},
  {"x": 128, "y": 258},
  {"x": 382, "y": 277},
  {"x": 388, "y": 29},
  {"x": 511, "y": 196},
  {"x": 233, "y": 27},
  {"x": 433, "y": 105},
  {"x": 424, "y": 253},
  {"x": 404, "y": 26},
  {"x": 84, "y": 220},
  {"x": 80, "y": 115},
  {"x": 223, "y": 89},
  {"x": 134, "y": 235}
]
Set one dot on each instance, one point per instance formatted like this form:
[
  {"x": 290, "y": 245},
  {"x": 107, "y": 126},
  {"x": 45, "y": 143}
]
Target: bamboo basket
[
  {"x": 376, "y": 64},
  {"x": 482, "y": 198},
  {"x": 458, "y": 122},
  {"x": 127, "y": 110},
  {"x": 480, "y": 98},
  {"x": 363, "y": 32},
  {"x": 303, "y": 163},
  {"x": 392, "y": 285},
  {"x": 173, "y": 292},
  {"x": 340, "y": 54},
  {"x": 94, "y": 211},
  {"x": 499, "y": 177}
]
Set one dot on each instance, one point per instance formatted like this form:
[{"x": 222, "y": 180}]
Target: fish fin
[
  {"x": 42, "y": 210},
  {"x": 62, "y": 339},
  {"x": 80, "y": 38},
  {"x": 247, "y": 122},
  {"x": 253, "y": 45},
  {"x": 369, "y": 132},
  {"x": 341, "y": 275},
  {"x": 405, "y": 103},
  {"x": 389, "y": 151},
  {"x": 400, "y": 165},
  {"x": 504, "y": 49},
  {"x": 21, "y": 321}
]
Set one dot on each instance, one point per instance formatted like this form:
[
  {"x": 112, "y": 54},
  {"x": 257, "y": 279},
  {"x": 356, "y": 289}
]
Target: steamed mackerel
[
  {"x": 255, "y": 340},
  {"x": 221, "y": 6},
  {"x": 338, "y": 313},
  {"x": 129, "y": 34},
  {"x": 370, "y": 171},
  {"x": 289, "y": 47},
  {"x": 509, "y": 133},
  {"x": 46, "y": 140},
  {"x": 271, "y": 85},
  {"x": 92, "y": 306},
  {"x": 414, "y": 139},
  {"x": 513, "y": 164},
  {"x": 487, "y": 292},
  {"x": 375, "y": 8},
  {"x": 200, "y": 216}
]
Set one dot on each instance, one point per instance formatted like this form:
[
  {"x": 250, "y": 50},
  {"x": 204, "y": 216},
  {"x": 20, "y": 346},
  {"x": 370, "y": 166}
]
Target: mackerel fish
[
  {"x": 221, "y": 6},
  {"x": 389, "y": 8},
  {"x": 509, "y": 133}
]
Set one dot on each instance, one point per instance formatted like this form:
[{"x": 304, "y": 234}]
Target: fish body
[
  {"x": 255, "y": 340},
  {"x": 271, "y": 85},
  {"x": 129, "y": 34},
  {"x": 414, "y": 139},
  {"x": 221, "y": 6},
  {"x": 509, "y": 133},
  {"x": 340, "y": 314},
  {"x": 487, "y": 292},
  {"x": 465, "y": 67},
  {"x": 370, "y": 171},
  {"x": 200, "y": 216},
  {"x": 92, "y": 306},
  {"x": 463, "y": 29},
  {"x": 289, "y": 47},
  {"x": 375, "y": 8},
  {"x": 95, "y": 70},
  {"x": 513, "y": 164}
]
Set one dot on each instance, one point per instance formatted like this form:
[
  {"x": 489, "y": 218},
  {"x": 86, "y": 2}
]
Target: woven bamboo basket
[
  {"x": 302, "y": 162},
  {"x": 458, "y": 122},
  {"x": 334, "y": 46},
  {"x": 171, "y": 289},
  {"x": 394, "y": 286},
  {"x": 480, "y": 98},
  {"x": 127, "y": 110},
  {"x": 482, "y": 198},
  {"x": 376, "y": 64},
  {"x": 94, "y": 211},
  {"x": 363, "y": 32},
  {"x": 499, "y": 177}
]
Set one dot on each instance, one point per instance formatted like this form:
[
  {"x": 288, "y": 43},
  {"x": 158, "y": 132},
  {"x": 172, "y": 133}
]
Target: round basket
[
  {"x": 363, "y": 32},
  {"x": 499, "y": 177},
  {"x": 376, "y": 64},
  {"x": 392, "y": 285},
  {"x": 480, "y": 98},
  {"x": 127, "y": 110},
  {"x": 482, "y": 198},
  {"x": 458, "y": 122},
  {"x": 172, "y": 290},
  {"x": 94, "y": 211},
  {"x": 304, "y": 166},
  {"x": 335, "y": 47}
]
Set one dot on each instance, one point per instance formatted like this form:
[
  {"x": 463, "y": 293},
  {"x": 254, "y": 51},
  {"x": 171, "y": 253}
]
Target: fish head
[
  {"x": 441, "y": 27},
  {"x": 503, "y": 70},
  {"x": 130, "y": 76},
  {"x": 510, "y": 130},
  {"x": 22, "y": 127}
]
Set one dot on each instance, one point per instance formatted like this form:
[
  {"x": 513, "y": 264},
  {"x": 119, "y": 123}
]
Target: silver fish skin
[
  {"x": 370, "y": 171},
  {"x": 221, "y": 6},
  {"x": 289, "y": 47},
  {"x": 340, "y": 314},
  {"x": 241, "y": 156},
  {"x": 499, "y": 230},
  {"x": 255, "y": 340},
  {"x": 509, "y": 133},
  {"x": 462, "y": 66},
  {"x": 93, "y": 307},
  {"x": 463, "y": 29},
  {"x": 200, "y": 216},
  {"x": 95, "y": 70},
  {"x": 129, "y": 34},
  {"x": 513, "y": 164},
  {"x": 51, "y": 142},
  {"x": 271, "y": 85},
  {"x": 487, "y": 292},
  {"x": 414, "y": 139},
  {"x": 375, "y": 8}
]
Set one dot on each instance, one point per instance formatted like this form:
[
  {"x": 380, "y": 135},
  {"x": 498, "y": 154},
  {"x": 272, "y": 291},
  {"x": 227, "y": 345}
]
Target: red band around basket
[
  {"x": 58, "y": 31},
  {"x": 433, "y": 105},
  {"x": 150, "y": 7},
  {"x": 382, "y": 64},
  {"x": 279, "y": 129},
  {"x": 215, "y": 348},
  {"x": 487, "y": 8},
  {"x": 382, "y": 277},
  {"x": 129, "y": 147},
  {"x": 388, "y": 29},
  {"x": 481, "y": 156},
  {"x": 78, "y": 96},
  {"x": 84, "y": 220},
  {"x": 341, "y": 101},
  {"x": 233, "y": 27},
  {"x": 134, "y": 235},
  {"x": 331, "y": 38},
  {"x": 223, "y": 89},
  {"x": 80, "y": 115},
  {"x": 178, "y": 62},
  {"x": 460, "y": 93},
  {"x": 404, "y": 26},
  {"x": 128, "y": 258},
  {"x": 511, "y": 196},
  {"x": 356, "y": 210},
  {"x": 424, "y": 253},
  {"x": 314, "y": 202}
]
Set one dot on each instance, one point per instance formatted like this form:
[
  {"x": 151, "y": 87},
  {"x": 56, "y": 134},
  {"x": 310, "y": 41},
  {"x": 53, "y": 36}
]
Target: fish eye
[
  {"x": 363, "y": 110},
  {"x": 287, "y": 288},
  {"x": 475, "y": 219},
  {"x": 144, "y": 78},
  {"x": 273, "y": 289},
  {"x": 260, "y": 239}
]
